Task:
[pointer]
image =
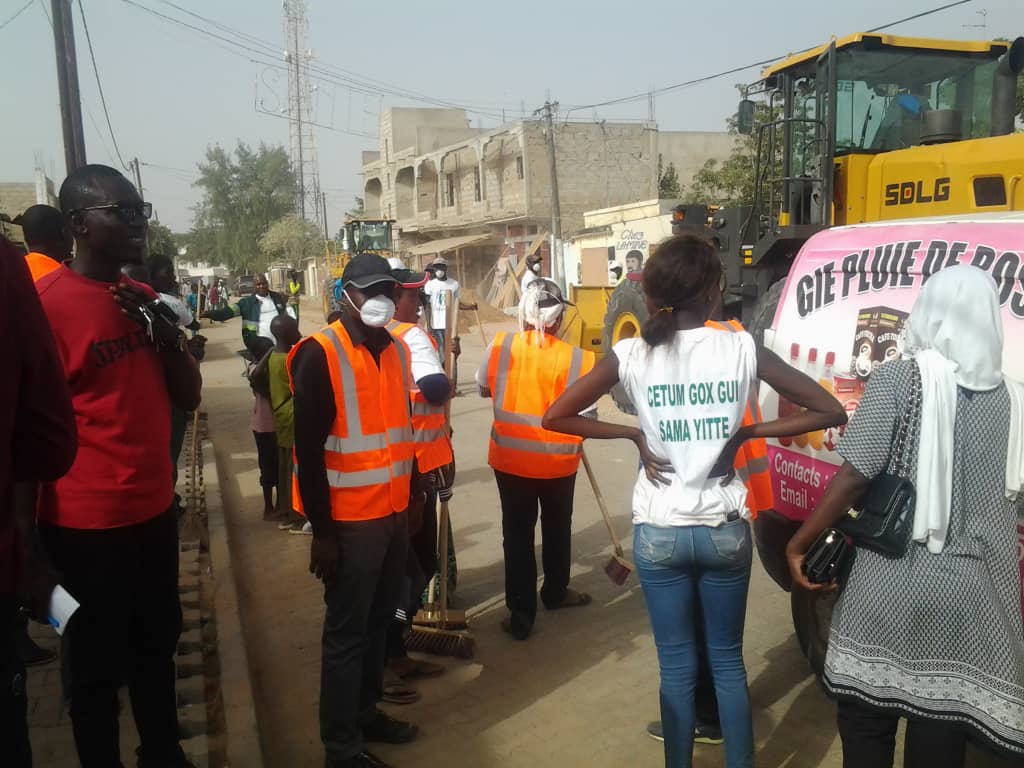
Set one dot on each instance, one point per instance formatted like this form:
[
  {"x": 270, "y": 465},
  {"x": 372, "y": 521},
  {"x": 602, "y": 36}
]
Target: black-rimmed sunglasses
[{"x": 127, "y": 212}]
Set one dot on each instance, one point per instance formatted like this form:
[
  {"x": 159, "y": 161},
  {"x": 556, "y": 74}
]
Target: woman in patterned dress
[{"x": 935, "y": 635}]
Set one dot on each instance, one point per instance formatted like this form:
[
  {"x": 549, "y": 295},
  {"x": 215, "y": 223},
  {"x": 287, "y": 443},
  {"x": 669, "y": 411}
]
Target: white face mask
[
  {"x": 439, "y": 274},
  {"x": 535, "y": 267},
  {"x": 376, "y": 312}
]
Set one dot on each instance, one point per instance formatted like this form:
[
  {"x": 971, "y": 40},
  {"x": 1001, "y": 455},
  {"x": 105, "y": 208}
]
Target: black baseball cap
[
  {"x": 406, "y": 278},
  {"x": 366, "y": 269}
]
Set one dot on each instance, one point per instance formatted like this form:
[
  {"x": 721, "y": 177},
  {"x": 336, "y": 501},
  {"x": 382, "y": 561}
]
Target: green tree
[
  {"x": 291, "y": 239},
  {"x": 243, "y": 194},
  {"x": 161, "y": 240},
  {"x": 669, "y": 187}
]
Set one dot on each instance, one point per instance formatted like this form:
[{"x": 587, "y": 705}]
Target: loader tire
[
  {"x": 764, "y": 312},
  {"x": 625, "y": 314}
]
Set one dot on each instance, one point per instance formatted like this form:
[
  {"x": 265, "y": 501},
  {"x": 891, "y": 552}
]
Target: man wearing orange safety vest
[
  {"x": 434, "y": 457},
  {"x": 49, "y": 241},
  {"x": 354, "y": 458},
  {"x": 523, "y": 374}
]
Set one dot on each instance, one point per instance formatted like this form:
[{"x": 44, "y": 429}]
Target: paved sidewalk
[{"x": 578, "y": 693}]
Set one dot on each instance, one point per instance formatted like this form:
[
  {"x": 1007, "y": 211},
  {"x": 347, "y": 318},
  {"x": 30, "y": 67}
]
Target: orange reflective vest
[
  {"x": 429, "y": 428},
  {"x": 752, "y": 458},
  {"x": 369, "y": 451},
  {"x": 39, "y": 264},
  {"x": 526, "y": 373}
]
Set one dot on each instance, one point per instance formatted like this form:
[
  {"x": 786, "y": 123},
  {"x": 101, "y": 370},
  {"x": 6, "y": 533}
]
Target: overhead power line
[
  {"x": 16, "y": 14},
  {"x": 99, "y": 85},
  {"x": 696, "y": 81},
  {"x": 270, "y": 55}
]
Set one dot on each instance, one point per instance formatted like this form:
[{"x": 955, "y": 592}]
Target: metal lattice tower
[{"x": 300, "y": 110}]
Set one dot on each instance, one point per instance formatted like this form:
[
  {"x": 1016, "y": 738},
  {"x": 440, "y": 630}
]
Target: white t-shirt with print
[
  {"x": 436, "y": 289},
  {"x": 425, "y": 361},
  {"x": 690, "y": 395}
]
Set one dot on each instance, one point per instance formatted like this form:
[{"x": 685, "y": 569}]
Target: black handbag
[
  {"x": 883, "y": 519},
  {"x": 829, "y": 558}
]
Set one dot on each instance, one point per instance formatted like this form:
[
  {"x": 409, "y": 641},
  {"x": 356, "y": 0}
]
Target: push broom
[
  {"x": 435, "y": 629},
  {"x": 617, "y": 568}
]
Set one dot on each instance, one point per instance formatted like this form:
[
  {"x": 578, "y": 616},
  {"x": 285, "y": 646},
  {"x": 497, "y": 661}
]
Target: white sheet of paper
[{"x": 62, "y": 608}]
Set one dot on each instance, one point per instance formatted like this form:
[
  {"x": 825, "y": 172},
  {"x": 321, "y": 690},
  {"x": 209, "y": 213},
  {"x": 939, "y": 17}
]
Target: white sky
[{"x": 171, "y": 92}]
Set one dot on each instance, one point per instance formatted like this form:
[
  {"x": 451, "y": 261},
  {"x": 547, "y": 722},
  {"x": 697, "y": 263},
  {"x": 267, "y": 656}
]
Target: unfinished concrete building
[{"x": 451, "y": 186}]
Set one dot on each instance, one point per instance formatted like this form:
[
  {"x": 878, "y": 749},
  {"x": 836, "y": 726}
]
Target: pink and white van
[{"x": 838, "y": 318}]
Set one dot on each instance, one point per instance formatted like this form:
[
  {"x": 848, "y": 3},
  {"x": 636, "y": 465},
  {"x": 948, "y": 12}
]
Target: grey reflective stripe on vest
[
  {"x": 423, "y": 408},
  {"x": 428, "y": 435},
  {"x": 501, "y": 384},
  {"x": 758, "y": 465},
  {"x": 368, "y": 476},
  {"x": 534, "y": 446},
  {"x": 356, "y": 441}
]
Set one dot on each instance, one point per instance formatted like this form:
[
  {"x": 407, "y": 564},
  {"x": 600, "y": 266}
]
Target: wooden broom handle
[
  {"x": 483, "y": 336},
  {"x": 601, "y": 503}
]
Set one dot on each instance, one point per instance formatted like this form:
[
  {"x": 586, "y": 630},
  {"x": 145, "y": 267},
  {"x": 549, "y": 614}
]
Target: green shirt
[{"x": 281, "y": 399}]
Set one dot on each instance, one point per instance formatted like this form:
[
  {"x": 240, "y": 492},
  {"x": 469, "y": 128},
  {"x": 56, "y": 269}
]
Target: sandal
[
  {"x": 572, "y": 599},
  {"x": 415, "y": 669},
  {"x": 516, "y": 630},
  {"x": 396, "y": 693}
]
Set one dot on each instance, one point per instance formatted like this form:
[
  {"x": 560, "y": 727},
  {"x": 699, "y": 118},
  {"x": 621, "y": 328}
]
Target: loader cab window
[
  {"x": 882, "y": 95},
  {"x": 372, "y": 236},
  {"x": 806, "y": 146}
]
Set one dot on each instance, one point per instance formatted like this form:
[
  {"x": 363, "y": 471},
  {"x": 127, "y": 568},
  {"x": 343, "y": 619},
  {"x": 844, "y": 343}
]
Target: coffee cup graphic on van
[{"x": 876, "y": 339}]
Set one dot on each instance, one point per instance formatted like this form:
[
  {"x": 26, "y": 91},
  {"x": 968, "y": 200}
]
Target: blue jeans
[{"x": 676, "y": 567}]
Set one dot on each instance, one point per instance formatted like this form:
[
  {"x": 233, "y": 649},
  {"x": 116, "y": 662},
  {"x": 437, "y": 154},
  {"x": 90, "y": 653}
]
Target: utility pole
[
  {"x": 137, "y": 173},
  {"x": 323, "y": 201},
  {"x": 67, "y": 85},
  {"x": 549, "y": 109}
]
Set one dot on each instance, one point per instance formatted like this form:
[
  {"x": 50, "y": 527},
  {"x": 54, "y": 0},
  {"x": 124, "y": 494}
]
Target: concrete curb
[{"x": 243, "y": 742}]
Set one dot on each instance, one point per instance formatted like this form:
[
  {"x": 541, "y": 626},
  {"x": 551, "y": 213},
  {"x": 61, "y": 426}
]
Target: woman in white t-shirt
[{"x": 692, "y": 543}]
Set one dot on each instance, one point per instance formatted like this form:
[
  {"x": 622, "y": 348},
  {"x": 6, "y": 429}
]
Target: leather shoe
[{"x": 387, "y": 730}]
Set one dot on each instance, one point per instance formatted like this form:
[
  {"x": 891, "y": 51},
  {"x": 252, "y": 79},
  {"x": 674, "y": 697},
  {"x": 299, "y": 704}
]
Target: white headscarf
[
  {"x": 955, "y": 333},
  {"x": 530, "y": 311}
]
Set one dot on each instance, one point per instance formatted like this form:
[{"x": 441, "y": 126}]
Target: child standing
[
  {"x": 286, "y": 330},
  {"x": 263, "y": 423}
]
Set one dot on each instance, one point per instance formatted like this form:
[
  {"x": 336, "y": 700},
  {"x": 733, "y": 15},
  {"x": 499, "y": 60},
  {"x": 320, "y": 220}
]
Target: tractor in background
[{"x": 358, "y": 235}]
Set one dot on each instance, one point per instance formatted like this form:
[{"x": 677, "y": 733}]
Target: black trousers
[
  {"x": 869, "y": 740},
  {"x": 520, "y": 497},
  {"x": 15, "y": 749},
  {"x": 360, "y": 606},
  {"x": 266, "y": 455},
  {"x": 420, "y": 564},
  {"x": 125, "y": 633}
]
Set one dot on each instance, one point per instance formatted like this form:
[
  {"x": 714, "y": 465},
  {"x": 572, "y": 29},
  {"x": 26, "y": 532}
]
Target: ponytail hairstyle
[{"x": 681, "y": 276}]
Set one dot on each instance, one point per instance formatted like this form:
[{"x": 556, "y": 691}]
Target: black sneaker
[
  {"x": 654, "y": 731},
  {"x": 703, "y": 733},
  {"x": 387, "y": 730},
  {"x": 706, "y": 733}
]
